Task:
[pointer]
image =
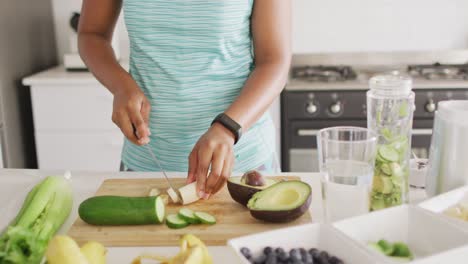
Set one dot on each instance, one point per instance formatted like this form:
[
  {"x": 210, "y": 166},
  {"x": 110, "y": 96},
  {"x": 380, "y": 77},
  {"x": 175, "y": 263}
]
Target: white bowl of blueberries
[{"x": 305, "y": 244}]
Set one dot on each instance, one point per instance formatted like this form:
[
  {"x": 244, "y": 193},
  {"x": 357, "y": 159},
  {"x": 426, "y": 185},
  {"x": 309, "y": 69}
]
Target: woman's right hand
[{"x": 131, "y": 110}]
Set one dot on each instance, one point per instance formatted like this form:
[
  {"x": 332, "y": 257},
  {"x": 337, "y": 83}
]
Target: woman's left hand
[{"x": 214, "y": 148}]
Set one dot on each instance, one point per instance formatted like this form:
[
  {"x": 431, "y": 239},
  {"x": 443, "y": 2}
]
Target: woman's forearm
[
  {"x": 262, "y": 87},
  {"x": 97, "y": 53},
  {"x": 271, "y": 31}
]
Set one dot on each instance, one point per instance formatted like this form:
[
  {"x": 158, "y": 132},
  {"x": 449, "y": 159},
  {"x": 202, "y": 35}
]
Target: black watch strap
[{"x": 230, "y": 124}]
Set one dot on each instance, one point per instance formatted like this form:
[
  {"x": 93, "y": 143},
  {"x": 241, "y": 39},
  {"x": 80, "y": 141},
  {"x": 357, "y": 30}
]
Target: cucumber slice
[
  {"x": 205, "y": 218},
  {"x": 160, "y": 207},
  {"x": 385, "y": 168},
  {"x": 175, "y": 222},
  {"x": 189, "y": 216},
  {"x": 388, "y": 153}
]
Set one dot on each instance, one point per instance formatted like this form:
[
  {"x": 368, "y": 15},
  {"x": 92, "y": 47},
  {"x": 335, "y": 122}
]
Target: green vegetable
[
  {"x": 387, "y": 247},
  {"x": 401, "y": 250},
  {"x": 119, "y": 210},
  {"x": 388, "y": 153},
  {"x": 189, "y": 216},
  {"x": 174, "y": 221},
  {"x": 44, "y": 210},
  {"x": 205, "y": 218},
  {"x": 398, "y": 250}
]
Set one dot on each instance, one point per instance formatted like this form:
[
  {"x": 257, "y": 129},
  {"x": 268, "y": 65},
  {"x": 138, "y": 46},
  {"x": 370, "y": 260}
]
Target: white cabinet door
[
  {"x": 79, "y": 151},
  {"x": 75, "y": 108}
]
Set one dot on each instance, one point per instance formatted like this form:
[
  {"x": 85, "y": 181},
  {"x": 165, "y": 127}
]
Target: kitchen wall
[
  {"x": 27, "y": 46},
  {"x": 379, "y": 25},
  {"x": 345, "y": 25}
]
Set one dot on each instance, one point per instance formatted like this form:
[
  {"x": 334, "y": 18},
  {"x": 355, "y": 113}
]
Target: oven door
[{"x": 303, "y": 154}]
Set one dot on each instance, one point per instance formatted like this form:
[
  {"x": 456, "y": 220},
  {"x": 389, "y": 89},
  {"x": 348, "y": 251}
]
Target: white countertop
[
  {"x": 59, "y": 75},
  {"x": 14, "y": 185}
]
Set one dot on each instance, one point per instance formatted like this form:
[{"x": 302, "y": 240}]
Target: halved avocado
[
  {"x": 282, "y": 202},
  {"x": 241, "y": 192}
]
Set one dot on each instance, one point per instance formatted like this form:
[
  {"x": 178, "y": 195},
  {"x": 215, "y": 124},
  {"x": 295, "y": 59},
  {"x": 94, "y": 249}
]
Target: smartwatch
[{"x": 230, "y": 124}]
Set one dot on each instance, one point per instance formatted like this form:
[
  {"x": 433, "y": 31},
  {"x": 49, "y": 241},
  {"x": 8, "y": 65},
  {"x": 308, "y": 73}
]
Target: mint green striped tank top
[{"x": 191, "y": 58}]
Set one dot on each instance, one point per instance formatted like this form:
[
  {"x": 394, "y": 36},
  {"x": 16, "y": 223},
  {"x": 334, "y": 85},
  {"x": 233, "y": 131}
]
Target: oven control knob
[
  {"x": 311, "y": 108},
  {"x": 430, "y": 106},
  {"x": 335, "y": 108}
]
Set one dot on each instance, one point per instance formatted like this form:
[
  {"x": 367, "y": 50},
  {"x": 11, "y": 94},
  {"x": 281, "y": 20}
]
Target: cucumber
[
  {"x": 188, "y": 216},
  {"x": 388, "y": 153},
  {"x": 174, "y": 221},
  {"x": 119, "y": 210},
  {"x": 205, "y": 218}
]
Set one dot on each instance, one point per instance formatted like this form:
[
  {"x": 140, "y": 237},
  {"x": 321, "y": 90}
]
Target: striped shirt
[{"x": 191, "y": 58}]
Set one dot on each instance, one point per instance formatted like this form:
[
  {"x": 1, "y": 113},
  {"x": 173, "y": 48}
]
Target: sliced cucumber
[
  {"x": 205, "y": 218},
  {"x": 388, "y": 153},
  {"x": 174, "y": 221},
  {"x": 189, "y": 216},
  {"x": 160, "y": 209}
]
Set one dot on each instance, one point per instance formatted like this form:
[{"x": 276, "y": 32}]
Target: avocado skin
[
  {"x": 241, "y": 193},
  {"x": 284, "y": 215}
]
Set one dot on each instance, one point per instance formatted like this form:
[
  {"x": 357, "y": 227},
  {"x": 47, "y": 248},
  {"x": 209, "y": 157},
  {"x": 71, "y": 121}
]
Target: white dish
[
  {"x": 320, "y": 236},
  {"x": 440, "y": 203},
  {"x": 428, "y": 236}
]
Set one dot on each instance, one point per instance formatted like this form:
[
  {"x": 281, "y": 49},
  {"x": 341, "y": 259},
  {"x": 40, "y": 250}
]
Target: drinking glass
[{"x": 346, "y": 157}]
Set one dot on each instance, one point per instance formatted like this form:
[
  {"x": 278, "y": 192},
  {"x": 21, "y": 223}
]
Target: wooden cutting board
[{"x": 233, "y": 220}]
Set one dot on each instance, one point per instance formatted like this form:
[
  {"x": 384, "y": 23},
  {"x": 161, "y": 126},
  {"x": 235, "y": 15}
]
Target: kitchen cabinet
[{"x": 72, "y": 122}]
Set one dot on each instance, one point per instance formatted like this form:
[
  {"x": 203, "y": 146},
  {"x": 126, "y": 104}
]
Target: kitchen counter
[
  {"x": 59, "y": 75},
  {"x": 14, "y": 185},
  {"x": 361, "y": 83}
]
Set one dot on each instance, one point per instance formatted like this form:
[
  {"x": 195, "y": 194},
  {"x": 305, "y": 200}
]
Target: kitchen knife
[{"x": 158, "y": 164}]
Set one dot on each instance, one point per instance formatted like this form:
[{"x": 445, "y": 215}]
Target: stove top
[
  {"x": 439, "y": 71},
  {"x": 321, "y": 73}
]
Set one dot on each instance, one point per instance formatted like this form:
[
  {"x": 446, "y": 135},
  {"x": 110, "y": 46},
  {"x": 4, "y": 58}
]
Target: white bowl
[
  {"x": 320, "y": 236},
  {"x": 440, "y": 203},
  {"x": 428, "y": 235}
]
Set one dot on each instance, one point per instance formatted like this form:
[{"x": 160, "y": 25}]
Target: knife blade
[{"x": 158, "y": 164}]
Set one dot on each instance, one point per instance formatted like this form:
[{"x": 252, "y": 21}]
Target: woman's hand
[
  {"x": 215, "y": 147},
  {"x": 130, "y": 113}
]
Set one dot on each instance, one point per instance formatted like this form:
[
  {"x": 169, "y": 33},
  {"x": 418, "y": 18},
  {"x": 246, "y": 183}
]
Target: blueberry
[
  {"x": 315, "y": 254},
  {"x": 303, "y": 251},
  {"x": 271, "y": 259},
  {"x": 267, "y": 250},
  {"x": 324, "y": 254},
  {"x": 283, "y": 256},
  {"x": 335, "y": 260},
  {"x": 307, "y": 258},
  {"x": 297, "y": 262},
  {"x": 322, "y": 260},
  {"x": 295, "y": 253},
  {"x": 260, "y": 259},
  {"x": 279, "y": 250},
  {"x": 246, "y": 252}
]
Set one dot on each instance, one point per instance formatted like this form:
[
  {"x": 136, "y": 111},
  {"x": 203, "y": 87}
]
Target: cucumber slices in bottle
[{"x": 390, "y": 104}]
